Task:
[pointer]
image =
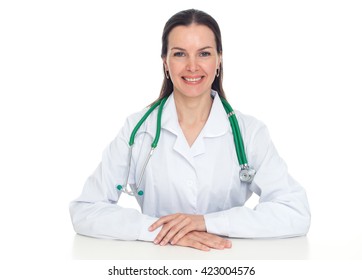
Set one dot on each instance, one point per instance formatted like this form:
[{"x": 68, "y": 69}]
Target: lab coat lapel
[{"x": 217, "y": 124}]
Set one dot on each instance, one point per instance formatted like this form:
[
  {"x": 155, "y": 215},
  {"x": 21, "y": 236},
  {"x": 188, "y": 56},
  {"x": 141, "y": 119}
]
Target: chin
[{"x": 192, "y": 91}]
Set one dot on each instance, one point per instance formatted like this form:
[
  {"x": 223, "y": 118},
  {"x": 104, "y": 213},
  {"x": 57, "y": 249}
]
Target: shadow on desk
[{"x": 87, "y": 248}]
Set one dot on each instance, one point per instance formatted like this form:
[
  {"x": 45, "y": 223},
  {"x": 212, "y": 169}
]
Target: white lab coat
[{"x": 201, "y": 179}]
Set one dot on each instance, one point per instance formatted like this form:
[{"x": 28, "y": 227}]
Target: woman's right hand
[{"x": 204, "y": 241}]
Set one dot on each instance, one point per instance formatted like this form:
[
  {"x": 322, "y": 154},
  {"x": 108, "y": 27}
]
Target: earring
[
  {"x": 167, "y": 76},
  {"x": 217, "y": 72}
]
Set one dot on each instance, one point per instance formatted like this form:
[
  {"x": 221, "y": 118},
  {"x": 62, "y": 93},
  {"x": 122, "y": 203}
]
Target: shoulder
[
  {"x": 254, "y": 133},
  {"x": 134, "y": 118},
  {"x": 249, "y": 123},
  {"x": 130, "y": 123}
]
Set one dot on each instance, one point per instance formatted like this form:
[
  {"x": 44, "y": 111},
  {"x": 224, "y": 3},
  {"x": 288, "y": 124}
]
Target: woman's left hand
[{"x": 176, "y": 226}]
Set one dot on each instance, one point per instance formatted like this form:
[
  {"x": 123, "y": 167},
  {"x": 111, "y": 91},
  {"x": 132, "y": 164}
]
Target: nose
[{"x": 192, "y": 64}]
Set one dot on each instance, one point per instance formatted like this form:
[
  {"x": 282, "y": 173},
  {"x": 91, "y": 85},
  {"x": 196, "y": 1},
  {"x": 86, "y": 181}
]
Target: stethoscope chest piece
[{"x": 246, "y": 174}]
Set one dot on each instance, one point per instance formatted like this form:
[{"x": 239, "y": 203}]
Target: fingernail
[
  {"x": 156, "y": 241},
  {"x": 162, "y": 243}
]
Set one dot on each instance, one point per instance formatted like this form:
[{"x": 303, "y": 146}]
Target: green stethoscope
[{"x": 246, "y": 173}]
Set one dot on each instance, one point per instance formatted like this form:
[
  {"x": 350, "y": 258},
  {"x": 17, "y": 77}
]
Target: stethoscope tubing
[{"x": 238, "y": 141}]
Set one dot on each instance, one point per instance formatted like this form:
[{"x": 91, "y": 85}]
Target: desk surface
[{"x": 299, "y": 248}]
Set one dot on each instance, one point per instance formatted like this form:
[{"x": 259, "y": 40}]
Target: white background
[{"x": 72, "y": 71}]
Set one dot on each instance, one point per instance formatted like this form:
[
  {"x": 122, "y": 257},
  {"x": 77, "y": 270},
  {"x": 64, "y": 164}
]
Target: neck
[{"x": 193, "y": 110}]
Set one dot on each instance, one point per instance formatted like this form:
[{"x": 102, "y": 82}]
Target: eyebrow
[{"x": 181, "y": 49}]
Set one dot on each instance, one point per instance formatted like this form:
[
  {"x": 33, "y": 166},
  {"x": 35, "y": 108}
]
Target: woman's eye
[
  {"x": 205, "y": 54},
  {"x": 179, "y": 54}
]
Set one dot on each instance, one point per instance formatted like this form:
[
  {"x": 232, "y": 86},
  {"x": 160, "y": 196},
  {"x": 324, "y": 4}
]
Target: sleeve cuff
[
  {"x": 217, "y": 223},
  {"x": 145, "y": 234}
]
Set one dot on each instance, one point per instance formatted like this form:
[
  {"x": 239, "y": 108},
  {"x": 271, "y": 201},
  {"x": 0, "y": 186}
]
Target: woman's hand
[
  {"x": 204, "y": 241},
  {"x": 176, "y": 226}
]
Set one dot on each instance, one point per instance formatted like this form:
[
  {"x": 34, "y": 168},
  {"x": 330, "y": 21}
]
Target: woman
[{"x": 190, "y": 191}]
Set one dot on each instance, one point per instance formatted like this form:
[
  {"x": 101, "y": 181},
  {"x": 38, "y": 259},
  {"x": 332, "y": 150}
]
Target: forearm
[
  {"x": 273, "y": 219},
  {"x": 106, "y": 220}
]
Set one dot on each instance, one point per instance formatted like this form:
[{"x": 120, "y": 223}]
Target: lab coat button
[{"x": 190, "y": 183}]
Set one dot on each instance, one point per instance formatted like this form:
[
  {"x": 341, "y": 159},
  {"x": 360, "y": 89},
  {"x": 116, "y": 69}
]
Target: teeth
[{"x": 193, "y": 79}]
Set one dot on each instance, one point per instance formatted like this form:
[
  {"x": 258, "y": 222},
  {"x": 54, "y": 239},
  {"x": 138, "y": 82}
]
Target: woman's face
[{"x": 192, "y": 59}]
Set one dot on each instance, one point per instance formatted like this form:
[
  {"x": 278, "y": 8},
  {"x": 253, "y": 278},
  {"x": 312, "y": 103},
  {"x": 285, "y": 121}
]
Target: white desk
[
  {"x": 299, "y": 248},
  {"x": 92, "y": 248},
  {"x": 253, "y": 252}
]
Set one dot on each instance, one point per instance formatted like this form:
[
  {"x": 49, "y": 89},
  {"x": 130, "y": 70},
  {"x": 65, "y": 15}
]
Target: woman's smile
[{"x": 193, "y": 80}]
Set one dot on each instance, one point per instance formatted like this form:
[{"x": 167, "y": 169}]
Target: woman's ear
[
  {"x": 165, "y": 64},
  {"x": 165, "y": 68}
]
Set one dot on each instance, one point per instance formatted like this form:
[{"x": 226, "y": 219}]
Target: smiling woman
[{"x": 193, "y": 190}]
